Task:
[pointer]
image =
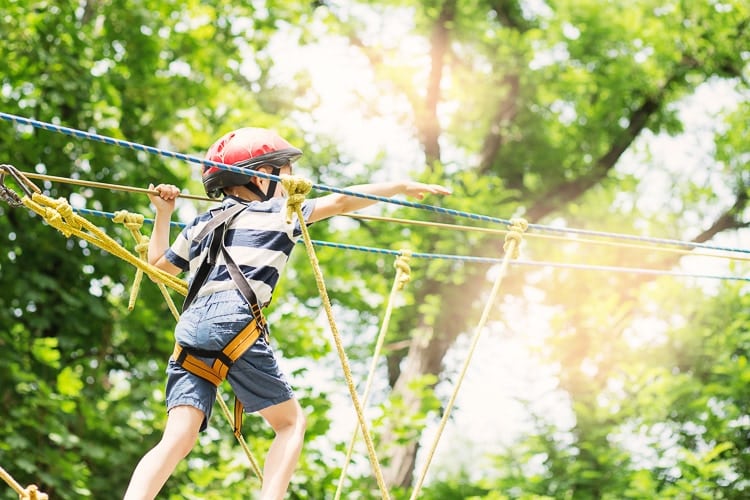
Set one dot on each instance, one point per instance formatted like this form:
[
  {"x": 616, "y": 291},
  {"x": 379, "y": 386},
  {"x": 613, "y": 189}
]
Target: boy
[{"x": 257, "y": 241}]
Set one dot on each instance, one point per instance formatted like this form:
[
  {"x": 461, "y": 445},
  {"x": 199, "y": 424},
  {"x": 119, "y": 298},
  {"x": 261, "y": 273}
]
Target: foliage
[
  {"x": 523, "y": 108},
  {"x": 82, "y": 376}
]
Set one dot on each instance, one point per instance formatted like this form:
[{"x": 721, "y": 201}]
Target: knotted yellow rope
[
  {"x": 31, "y": 492},
  {"x": 295, "y": 185},
  {"x": 512, "y": 241},
  {"x": 60, "y": 215},
  {"x": 296, "y": 189},
  {"x": 403, "y": 276},
  {"x": 240, "y": 439},
  {"x": 134, "y": 223}
]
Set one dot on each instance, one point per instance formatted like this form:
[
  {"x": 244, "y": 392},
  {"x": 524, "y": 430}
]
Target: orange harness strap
[{"x": 217, "y": 372}]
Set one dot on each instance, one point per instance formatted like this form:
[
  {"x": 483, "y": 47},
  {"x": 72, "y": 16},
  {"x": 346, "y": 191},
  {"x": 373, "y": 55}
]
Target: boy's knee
[
  {"x": 302, "y": 422},
  {"x": 287, "y": 417},
  {"x": 184, "y": 447},
  {"x": 296, "y": 421},
  {"x": 179, "y": 445}
]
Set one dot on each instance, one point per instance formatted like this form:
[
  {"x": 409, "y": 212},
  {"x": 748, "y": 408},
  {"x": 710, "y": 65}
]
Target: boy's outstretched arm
[{"x": 336, "y": 203}]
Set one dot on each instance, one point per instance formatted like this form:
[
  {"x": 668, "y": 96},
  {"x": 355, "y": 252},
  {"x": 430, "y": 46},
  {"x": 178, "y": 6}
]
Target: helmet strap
[
  {"x": 271, "y": 186},
  {"x": 256, "y": 191}
]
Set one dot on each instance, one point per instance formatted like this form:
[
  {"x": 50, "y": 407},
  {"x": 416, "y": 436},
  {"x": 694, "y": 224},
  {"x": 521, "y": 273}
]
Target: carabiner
[
  {"x": 28, "y": 187},
  {"x": 5, "y": 192}
]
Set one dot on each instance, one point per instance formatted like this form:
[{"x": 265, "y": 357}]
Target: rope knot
[
  {"x": 32, "y": 493},
  {"x": 515, "y": 236},
  {"x": 55, "y": 220},
  {"x": 142, "y": 247},
  {"x": 132, "y": 221},
  {"x": 62, "y": 207},
  {"x": 403, "y": 270},
  {"x": 296, "y": 189}
]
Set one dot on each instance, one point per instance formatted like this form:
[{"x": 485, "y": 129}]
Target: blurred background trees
[{"x": 585, "y": 114}]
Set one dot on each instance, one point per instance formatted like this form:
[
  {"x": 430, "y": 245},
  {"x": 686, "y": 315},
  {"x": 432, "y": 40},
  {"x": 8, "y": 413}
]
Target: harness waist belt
[{"x": 216, "y": 373}]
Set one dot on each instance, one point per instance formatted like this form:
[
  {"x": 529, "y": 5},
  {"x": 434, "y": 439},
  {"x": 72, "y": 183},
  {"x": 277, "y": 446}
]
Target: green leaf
[
  {"x": 69, "y": 382},
  {"x": 45, "y": 350}
]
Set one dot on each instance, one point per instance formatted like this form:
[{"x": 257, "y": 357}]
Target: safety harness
[{"x": 189, "y": 357}]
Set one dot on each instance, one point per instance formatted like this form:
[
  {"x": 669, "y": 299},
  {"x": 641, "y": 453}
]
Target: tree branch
[
  {"x": 427, "y": 121},
  {"x": 570, "y": 191}
]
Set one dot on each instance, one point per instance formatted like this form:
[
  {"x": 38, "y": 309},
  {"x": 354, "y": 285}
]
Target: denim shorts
[{"x": 210, "y": 323}]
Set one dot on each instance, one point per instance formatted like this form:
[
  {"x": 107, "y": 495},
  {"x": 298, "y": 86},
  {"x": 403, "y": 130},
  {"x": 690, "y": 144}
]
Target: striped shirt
[{"x": 258, "y": 239}]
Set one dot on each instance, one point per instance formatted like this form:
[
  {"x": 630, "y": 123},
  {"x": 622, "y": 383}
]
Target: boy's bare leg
[
  {"x": 288, "y": 421},
  {"x": 180, "y": 434}
]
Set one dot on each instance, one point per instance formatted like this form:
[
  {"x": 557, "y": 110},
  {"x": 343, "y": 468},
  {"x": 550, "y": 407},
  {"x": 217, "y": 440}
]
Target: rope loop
[
  {"x": 130, "y": 220},
  {"x": 64, "y": 209},
  {"x": 403, "y": 270},
  {"x": 65, "y": 218},
  {"x": 142, "y": 247},
  {"x": 32, "y": 493},
  {"x": 297, "y": 189},
  {"x": 514, "y": 237},
  {"x": 50, "y": 215}
]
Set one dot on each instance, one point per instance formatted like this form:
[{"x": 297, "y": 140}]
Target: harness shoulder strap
[
  {"x": 215, "y": 227},
  {"x": 224, "y": 359},
  {"x": 239, "y": 279}
]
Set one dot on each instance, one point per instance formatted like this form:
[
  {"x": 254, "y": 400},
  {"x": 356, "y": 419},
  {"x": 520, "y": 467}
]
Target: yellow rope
[
  {"x": 403, "y": 276},
  {"x": 134, "y": 222},
  {"x": 31, "y": 492},
  {"x": 296, "y": 189},
  {"x": 240, "y": 438},
  {"x": 294, "y": 186},
  {"x": 718, "y": 254},
  {"x": 512, "y": 242},
  {"x": 114, "y": 187},
  {"x": 60, "y": 215}
]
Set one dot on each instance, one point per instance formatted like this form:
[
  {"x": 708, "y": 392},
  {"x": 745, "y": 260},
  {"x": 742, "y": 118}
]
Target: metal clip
[
  {"x": 28, "y": 187},
  {"x": 5, "y": 192}
]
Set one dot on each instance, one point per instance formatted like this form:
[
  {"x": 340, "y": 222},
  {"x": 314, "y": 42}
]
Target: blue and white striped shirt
[{"x": 258, "y": 239}]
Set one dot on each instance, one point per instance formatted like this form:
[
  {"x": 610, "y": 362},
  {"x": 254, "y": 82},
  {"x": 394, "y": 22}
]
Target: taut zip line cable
[
  {"x": 723, "y": 254},
  {"x": 485, "y": 260},
  {"x": 588, "y": 241},
  {"x": 19, "y": 120}
]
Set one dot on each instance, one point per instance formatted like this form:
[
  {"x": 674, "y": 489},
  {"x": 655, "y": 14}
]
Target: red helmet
[{"x": 249, "y": 148}]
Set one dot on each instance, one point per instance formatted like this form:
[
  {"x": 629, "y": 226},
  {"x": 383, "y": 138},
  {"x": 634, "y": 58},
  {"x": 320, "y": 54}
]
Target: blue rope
[
  {"x": 474, "y": 259},
  {"x": 322, "y": 187}
]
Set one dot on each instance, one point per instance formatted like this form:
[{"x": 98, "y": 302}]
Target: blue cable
[
  {"x": 474, "y": 259},
  {"x": 322, "y": 187}
]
